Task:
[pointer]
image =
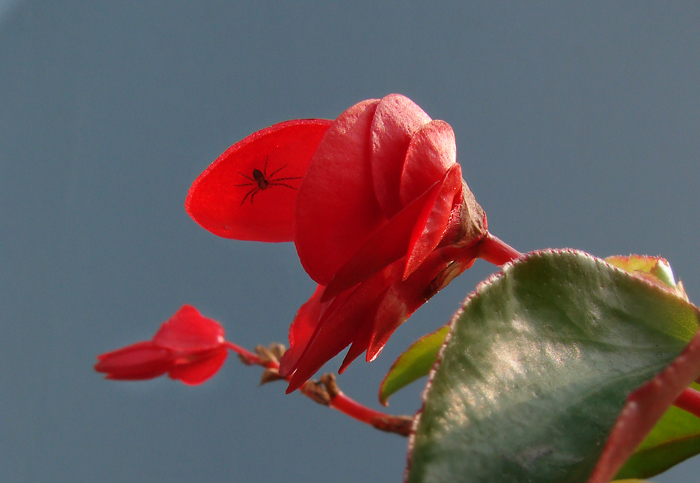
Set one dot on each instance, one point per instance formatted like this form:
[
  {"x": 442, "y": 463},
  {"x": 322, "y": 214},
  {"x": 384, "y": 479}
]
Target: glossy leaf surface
[{"x": 538, "y": 367}]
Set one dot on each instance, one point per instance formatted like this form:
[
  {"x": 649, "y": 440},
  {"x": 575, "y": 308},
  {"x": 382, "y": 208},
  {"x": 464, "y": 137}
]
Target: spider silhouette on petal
[{"x": 261, "y": 181}]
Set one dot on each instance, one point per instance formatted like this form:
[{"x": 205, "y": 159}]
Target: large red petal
[
  {"x": 202, "y": 369},
  {"x": 226, "y": 199},
  {"x": 396, "y": 119},
  {"x": 336, "y": 210},
  {"x": 143, "y": 360},
  {"x": 189, "y": 331},
  {"x": 431, "y": 153}
]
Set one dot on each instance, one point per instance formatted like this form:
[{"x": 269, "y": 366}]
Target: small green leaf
[
  {"x": 413, "y": 364},
  {"x": 538, "y": 367}
]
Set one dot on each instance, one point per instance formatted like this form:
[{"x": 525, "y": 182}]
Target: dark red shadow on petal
[{"x": 226, "y": 199}]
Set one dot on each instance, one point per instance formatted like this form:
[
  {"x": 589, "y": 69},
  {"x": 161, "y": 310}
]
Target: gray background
[{"x": 577, "y": 126}]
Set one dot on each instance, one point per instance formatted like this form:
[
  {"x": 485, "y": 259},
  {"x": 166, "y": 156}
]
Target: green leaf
[
  {"x": 413, "y": 364},
  {"x": 537, "y": 368},
  {"x": 674, "y": 438}
]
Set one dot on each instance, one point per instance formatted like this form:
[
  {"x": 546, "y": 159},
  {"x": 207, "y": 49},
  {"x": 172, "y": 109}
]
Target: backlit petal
[{"x": 227, "y": 200}]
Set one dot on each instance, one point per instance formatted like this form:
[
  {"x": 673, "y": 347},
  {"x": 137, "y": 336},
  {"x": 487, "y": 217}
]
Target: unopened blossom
[{"x": 188, "y": 347}]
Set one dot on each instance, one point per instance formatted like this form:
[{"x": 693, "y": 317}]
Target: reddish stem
[
  {"x": 494, "y": 250},
  {"x": 689, "y": 400},
  {"x": 335, "y": 398},
  {"x": 247, "y": 356},
  {"x": 352, "y": 408}
]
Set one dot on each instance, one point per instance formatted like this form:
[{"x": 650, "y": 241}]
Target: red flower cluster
[
  {"x": 188, "y": 347},
  {"x": 376, "y": 206}
]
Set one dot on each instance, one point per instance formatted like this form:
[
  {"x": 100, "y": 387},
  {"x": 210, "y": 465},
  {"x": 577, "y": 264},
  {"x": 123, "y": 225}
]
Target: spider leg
[
  {"x": 247, "y": 177},
  {"x": 276, "y": 171},
  {"x": 246, "y": 184},
  {"x": 254, "y": 190},
  {"x": 274, "y": 183},
  {"x": 283, "y": 179},
  {"x": 265, "y": 168}
]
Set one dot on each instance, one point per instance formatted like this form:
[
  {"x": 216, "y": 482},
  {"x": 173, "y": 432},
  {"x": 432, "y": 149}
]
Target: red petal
[
  {"x": 396, "y": 119},
  {"x": 363, "y": 336},
  {"x": 338, "y": 327},
  {"x": 405, "y": 296},
  {"x": 143, "y": 360},
  {"x": 429, "y": 232},
  {"x": 225, "y": 200},
  {"x": 197, "y": 372},
  {"x": 301, "y": 330},
  {"x": 336, "y": 210},
  {"x": 188, "y": 331},
  {"x": 431, "y": 153},
  {"x": 387, "y": 245}
]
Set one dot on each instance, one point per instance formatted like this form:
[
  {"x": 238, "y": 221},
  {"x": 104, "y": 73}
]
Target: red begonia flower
[
  {"x": 188, "y": 347},
  {"x": 381, "y": 219}
]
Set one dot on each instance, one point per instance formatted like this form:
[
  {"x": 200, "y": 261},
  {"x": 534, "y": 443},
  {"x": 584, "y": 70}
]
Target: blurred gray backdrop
[{"x": 577, "y": 126}]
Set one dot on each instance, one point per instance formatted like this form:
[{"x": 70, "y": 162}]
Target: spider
[{"x": 262, "y": 181}]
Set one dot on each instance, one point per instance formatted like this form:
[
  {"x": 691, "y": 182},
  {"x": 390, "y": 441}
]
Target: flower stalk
[
  {"x": 325, "y": 392},
  {"x": 494, "y": 250}
]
